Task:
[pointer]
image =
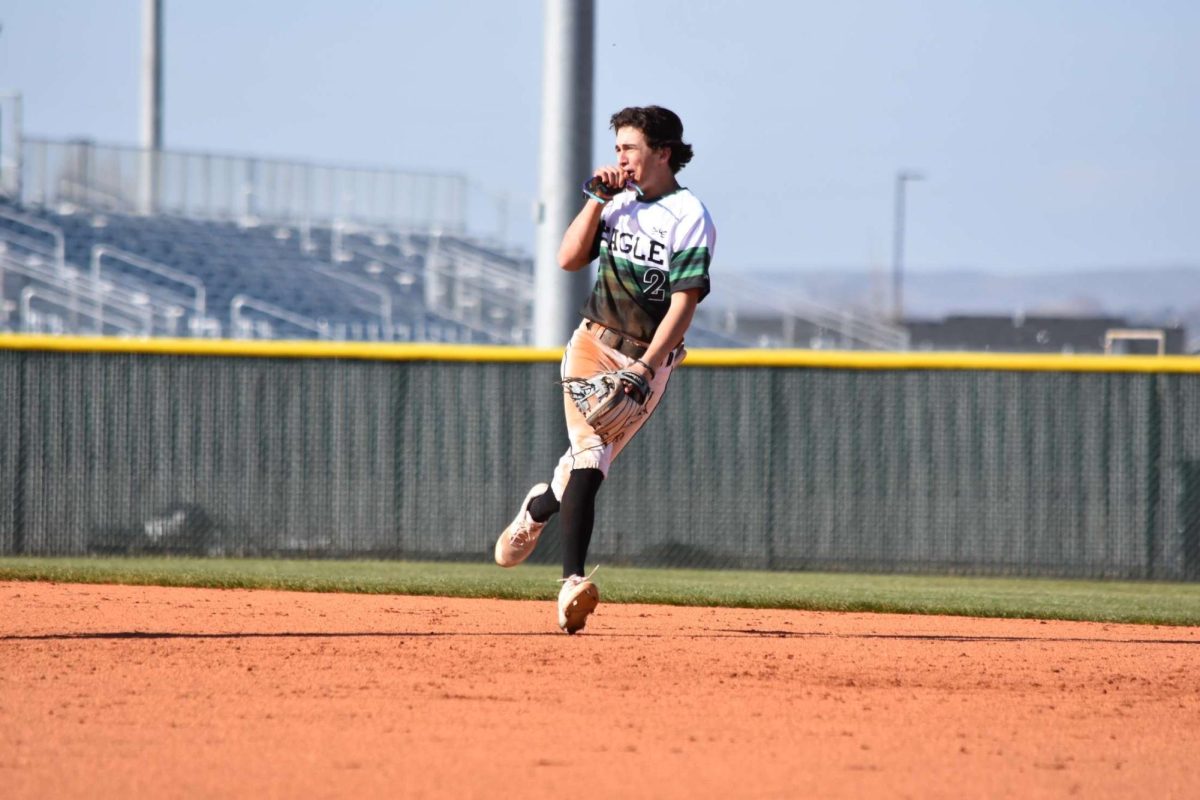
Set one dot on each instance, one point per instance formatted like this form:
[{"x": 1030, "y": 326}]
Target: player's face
[{"x": 639, "y": 161}]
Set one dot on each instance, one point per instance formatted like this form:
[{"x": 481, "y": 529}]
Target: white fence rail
[{"x": 245, "y": 188}]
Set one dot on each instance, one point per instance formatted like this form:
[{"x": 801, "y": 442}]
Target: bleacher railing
[
  {"x": 232, "y": 187},
  {"x": 30, "y": 235},
  {"x": 63, "y": 314},
  {"x": 131, "y": 260},
  {"x": 797, "y": 322},
  {"x": 268, "y": 316}
]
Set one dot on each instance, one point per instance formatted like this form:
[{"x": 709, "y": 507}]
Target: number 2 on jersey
[{"x": 655, "y": 280}]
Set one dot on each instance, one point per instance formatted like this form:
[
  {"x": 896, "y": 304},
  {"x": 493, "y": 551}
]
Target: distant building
[{"x": 1035, "y": 334}]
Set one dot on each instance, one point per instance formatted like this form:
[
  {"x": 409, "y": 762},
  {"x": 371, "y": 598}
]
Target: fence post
[
  {"x": 1153, "y": 472},
  {"x": 1189, "y": 518}
]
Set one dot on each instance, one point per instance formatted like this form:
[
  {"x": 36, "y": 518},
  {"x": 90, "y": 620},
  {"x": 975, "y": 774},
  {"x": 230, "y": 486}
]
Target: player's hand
[
  {"x": 641, "y": 368},
  {"x": 606, "y": 183},
  {"x": 613, "y": 177}
]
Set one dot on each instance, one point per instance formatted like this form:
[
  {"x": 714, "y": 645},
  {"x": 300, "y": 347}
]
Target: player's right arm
[{"x": 578, "y": 246}]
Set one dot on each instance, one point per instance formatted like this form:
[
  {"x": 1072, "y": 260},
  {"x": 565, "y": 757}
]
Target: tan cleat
[
  {"x": 577, "y": 599},
  {"x": 521, "y": 535}
]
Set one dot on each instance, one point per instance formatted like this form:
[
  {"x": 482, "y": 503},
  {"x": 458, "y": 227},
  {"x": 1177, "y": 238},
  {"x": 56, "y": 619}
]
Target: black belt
[
  {"x": 614, "y": 339},
  {"x": 623, "y": 344}
]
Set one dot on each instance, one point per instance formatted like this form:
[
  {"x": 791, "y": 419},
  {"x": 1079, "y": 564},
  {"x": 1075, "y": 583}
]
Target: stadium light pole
[
  {"x": 15, "y": 157},
  {"x": 565, "y": 152},
  {"x": 152, "y": 103},
  {"x": 902, "y": 179}
]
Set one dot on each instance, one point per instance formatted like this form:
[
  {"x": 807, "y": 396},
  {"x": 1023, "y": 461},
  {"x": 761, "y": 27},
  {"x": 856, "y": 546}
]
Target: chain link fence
[{"x": 850, "y": 463}]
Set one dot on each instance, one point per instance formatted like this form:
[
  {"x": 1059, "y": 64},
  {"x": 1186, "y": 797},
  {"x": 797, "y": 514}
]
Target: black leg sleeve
[{"x": 578, "y": 517}]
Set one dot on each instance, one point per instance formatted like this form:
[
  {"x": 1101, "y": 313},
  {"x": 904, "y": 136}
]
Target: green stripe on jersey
[
  {"x": 690, "y": 263},
  {"x": 689, "y": 255}
]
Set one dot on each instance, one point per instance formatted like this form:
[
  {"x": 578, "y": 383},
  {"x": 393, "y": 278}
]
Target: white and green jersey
[{"x": 648, "y": 250}]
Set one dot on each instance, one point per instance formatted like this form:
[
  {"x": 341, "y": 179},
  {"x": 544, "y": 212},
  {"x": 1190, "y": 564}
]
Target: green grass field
[{"x": 1099, "y": 601}]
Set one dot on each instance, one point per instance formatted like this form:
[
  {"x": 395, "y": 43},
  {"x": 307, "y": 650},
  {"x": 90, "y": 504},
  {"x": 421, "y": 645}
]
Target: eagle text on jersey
[{"x": 637, "y": 248}]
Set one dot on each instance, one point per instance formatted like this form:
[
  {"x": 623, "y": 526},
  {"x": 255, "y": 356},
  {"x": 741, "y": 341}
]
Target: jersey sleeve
[{"x": 695, "y": 239}]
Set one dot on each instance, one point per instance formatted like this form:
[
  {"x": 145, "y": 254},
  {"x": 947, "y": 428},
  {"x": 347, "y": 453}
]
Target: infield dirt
[{"x": 118, "y": 691}]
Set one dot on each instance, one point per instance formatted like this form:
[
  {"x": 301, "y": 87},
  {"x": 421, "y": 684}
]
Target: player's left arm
[
  {"x": 692, "y": 245},
  {"x": 671, "y": 330}
]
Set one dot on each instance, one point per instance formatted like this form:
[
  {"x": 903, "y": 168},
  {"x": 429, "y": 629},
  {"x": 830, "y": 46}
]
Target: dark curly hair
[{"x": 661, "y": 127}]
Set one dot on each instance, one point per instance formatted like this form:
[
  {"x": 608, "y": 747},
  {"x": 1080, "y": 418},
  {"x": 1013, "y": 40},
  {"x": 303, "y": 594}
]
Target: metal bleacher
[
  {"x": 71, "y": 270},
  {"x": 119, "y": 241}
]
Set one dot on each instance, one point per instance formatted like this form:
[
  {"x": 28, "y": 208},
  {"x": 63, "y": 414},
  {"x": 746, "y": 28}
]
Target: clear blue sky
[{"x": 1056, "y": 134}]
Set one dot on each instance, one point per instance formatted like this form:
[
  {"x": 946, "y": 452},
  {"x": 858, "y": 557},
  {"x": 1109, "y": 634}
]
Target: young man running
[{"x": 655, "y": 241}]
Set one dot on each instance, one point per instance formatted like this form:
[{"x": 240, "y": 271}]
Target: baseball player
[{"x": 654, "y": 240}]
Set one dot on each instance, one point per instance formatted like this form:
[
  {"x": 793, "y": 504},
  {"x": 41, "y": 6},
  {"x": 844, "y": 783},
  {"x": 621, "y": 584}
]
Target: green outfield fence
[{"x": 1021, "y": 465}]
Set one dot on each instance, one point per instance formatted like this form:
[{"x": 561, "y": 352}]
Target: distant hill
[{"x": 1159, "y": 295}]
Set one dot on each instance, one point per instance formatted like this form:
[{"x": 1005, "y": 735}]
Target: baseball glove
[{"x": 610, "y": 400}]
